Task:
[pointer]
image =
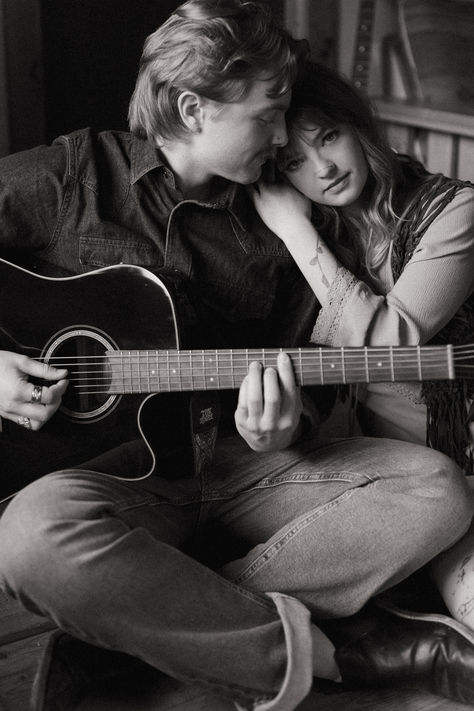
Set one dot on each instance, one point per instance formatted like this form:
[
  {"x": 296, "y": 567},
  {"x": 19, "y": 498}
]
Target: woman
[{"x": 388, "y": 249}]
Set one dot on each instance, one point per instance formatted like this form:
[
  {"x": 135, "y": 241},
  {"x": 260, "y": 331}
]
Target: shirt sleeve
[
  {"x": 434, "y": 284},
  {"x": 32, "y": 191}
]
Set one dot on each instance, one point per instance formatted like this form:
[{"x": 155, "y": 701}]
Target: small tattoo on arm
[
  {"x": 315, "y": 262},
  {"x": 462, "y": 569},
  {"x": 465, "y": 608}
]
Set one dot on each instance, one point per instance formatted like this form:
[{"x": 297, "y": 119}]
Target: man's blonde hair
[{"x": 215, "y": 48}]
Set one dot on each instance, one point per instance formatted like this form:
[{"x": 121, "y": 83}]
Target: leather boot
[{"x": 393, "y": 647}]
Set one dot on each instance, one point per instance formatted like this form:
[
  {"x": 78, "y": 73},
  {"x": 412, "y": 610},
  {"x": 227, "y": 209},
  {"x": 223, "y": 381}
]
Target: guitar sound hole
[{"x": 83, "y": 353}]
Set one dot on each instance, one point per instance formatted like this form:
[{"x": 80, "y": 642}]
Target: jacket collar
[{"x": 144, "y": 158}]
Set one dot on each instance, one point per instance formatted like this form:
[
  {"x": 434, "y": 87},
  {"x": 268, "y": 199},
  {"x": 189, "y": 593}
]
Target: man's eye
[{"x": 266, "y": 119}]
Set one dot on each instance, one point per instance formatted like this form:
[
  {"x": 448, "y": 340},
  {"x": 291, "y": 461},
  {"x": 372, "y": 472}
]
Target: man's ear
[{"x": 190, "y": 106}]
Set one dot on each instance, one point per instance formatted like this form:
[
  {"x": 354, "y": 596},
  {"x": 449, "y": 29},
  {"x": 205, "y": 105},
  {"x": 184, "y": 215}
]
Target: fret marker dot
[
  {"x": 332, "y": 365},
  {"x": 379, "y": 364},
  {"x": 173, "y": 371},
  {"x": 153, "y": 372},
  {"x": 211, "y": 379}
]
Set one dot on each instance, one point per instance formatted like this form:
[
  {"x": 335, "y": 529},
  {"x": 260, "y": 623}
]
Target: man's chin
[{"x": 250, "y": 176}]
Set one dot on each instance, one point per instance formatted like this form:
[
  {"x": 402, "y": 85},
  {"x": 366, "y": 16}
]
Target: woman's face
[{"x": 327, "y": 165}]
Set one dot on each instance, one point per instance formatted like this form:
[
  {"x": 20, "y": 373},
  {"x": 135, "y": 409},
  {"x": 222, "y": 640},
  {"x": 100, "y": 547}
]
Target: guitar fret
[
  {"x": 392, "y": 370},
  {"x": 450, "y": 361},
  {"x": 155, "y": 370},
  {"x": 343, "y": 366},
  {"x": 366, "y": 358},
  {"x": 321, "y": 365},
  {"x": 418, "y": 355},
  {"x": 179, "y": 375}
]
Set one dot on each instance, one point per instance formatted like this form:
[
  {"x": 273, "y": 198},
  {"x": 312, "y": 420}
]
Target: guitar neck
[{"x": 138, "y": 371}]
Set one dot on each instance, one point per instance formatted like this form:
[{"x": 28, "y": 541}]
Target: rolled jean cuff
[{"x": 298, "y": 678}]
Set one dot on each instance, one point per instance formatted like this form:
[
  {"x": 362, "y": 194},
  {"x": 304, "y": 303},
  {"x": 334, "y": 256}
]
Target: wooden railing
[{"x": 442, "y": 140}]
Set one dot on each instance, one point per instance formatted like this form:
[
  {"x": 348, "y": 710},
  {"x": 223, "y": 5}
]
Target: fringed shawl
[{"x": 447, "y": 416}]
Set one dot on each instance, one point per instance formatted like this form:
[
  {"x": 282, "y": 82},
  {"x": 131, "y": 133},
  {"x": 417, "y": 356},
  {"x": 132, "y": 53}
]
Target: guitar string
[
  {"x": 316, "y": 351},
  {"x": 311, "y": 352},
  {"x": 183, "y": 358}
]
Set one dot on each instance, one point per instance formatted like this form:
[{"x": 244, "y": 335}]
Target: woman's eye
[
  {"x": 331, "y": 136},
  {"x": 292, "y": 165}
]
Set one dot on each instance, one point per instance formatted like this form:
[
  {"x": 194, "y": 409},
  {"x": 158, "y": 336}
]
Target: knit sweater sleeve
[{"x": 434, "y": 284}]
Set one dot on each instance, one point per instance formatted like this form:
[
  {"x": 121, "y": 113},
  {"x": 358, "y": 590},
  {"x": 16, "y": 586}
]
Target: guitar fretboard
[{"x": 186, "y": 370}]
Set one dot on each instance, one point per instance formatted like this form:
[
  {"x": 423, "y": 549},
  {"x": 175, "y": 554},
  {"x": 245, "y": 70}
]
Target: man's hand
[
  {"x": 269, "y": 408},
  {"x": 21, "y": 401}
]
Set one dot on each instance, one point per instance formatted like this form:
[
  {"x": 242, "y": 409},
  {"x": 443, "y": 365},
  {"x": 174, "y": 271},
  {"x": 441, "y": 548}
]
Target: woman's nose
[{"x": 324, "y": 168}]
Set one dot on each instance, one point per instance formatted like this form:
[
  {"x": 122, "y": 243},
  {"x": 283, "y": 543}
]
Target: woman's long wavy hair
[{"x": 323, "y": 97}]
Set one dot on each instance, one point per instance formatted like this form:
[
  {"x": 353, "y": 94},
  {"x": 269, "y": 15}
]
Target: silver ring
[
  {"x": 36, "y": 393},
  {"x": 24, "y": 422}
]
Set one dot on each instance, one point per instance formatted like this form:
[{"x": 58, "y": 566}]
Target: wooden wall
[
  {"x": 442, "y": 139},
  {"x": 65, "y": 64}
]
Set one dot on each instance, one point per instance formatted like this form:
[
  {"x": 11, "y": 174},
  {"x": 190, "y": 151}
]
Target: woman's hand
[
  {"x": 23, "y": 402},
  {"x": 281, "y": 207},
  {"x": 269, "y": 407}
]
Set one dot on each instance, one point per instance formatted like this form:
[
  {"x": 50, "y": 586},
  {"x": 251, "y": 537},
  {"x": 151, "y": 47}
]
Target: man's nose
[{"x": 280, "y": 134}]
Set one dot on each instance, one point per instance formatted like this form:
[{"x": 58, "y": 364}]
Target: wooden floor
[{"x": 23, "y": 636}]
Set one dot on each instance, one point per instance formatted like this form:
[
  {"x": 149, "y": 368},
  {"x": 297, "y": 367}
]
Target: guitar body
[{"x": 118, "y": 307}]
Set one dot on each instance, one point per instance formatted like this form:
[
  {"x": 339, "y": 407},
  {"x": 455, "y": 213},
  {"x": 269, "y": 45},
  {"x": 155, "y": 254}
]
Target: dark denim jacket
[{"x": 92, "y": 200}]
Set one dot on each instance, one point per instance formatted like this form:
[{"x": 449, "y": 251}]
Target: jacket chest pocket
[{"x": 103, "y": 251}]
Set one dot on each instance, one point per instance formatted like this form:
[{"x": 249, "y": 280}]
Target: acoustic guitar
[{"x": 117, "y": 332}]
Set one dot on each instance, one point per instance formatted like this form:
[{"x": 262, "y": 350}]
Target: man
[{"x": 307, "y": 530}]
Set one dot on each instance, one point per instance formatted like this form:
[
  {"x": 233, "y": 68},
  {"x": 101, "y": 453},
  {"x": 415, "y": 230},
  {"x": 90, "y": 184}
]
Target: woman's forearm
[{"x": 314, "y": 258}]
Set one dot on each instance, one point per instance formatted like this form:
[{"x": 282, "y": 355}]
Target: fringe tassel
[{"x": 448, "y": 421}]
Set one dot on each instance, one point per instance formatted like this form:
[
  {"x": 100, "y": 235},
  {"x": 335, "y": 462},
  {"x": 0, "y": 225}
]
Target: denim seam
[
  {"x": 310, "y": 479},
  {"x": 67, "y": 195},
  {"x": 271, "y": 551},
  {"x": 210, "y": 496}
]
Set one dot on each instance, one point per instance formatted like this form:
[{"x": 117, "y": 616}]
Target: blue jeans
[{"x": 311, "y": 531}]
